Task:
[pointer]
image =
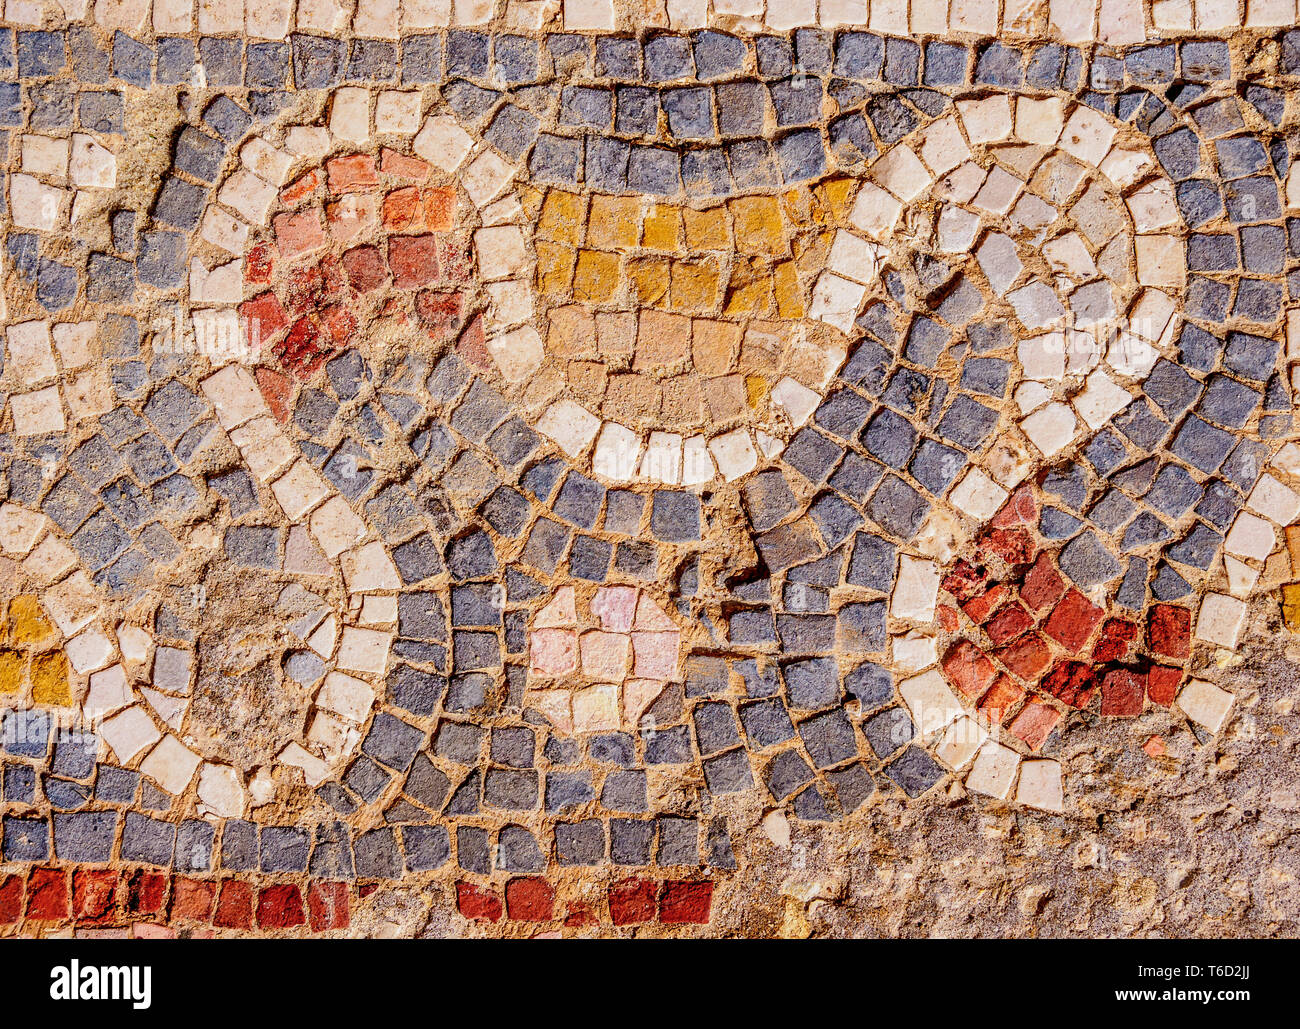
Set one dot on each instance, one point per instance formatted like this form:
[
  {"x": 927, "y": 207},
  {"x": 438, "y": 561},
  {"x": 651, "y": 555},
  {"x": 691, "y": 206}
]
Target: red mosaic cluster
[
  {"x": 354, "y": 241},
  {"x": 1038, "y": 647},
  {"x": 159, "y": 904},
  {"x": 632, "y": 901}
]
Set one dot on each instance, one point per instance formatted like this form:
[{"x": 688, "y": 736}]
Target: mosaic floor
[{"x": 603, "y": 468}]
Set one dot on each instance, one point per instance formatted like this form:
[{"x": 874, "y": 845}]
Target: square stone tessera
[{"x": 680, "y": 468}]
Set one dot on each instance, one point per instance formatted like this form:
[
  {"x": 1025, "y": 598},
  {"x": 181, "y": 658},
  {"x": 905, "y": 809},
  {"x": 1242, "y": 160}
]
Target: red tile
[
  {"x": 1043, "y": 584},
  {"x": 1073, "y": 622},
  {"x": 1162, "y": 684},
  {"x": 579, "y": 916},
  {"x": 303, "y": 349},
  {"x": 964, "y": 581},
  {"x": 969, "y": 668},
  {"x": 192, "y": 898},
  {"x": 328, "y": 904},
  {"x": 1010, "y": 622},
  {"x": 1001, "y": 699},
  {"x": 682, "y": 903},
  {"x": 1123, "y": 692},
  {"x": 403, "y": 210},
  {"x": 280, "y": 907},
  {"x": 1020, "y": 509},
  {"x": 234, "y": 906},
  {"x": 276, "y": 390},
  {"x": 632, "y": 901},
  {"x": 367, "y": 270},
  {"x": 311, "y": 287},
  {"x": 146, "y": 893},
  {"x": 440, "y": 313},
  {"x": 1169, "y": 631},
  {"x": 472, "y": 345},
  {"x": 1015, "y": 546},
  {"x": 300, "y": 188},
  {"x": 947, "y": 617},
  {"x": 529, "y": 899},
  {"x": 1071, "y": 682},
  {"x": 1035, "y": 723},
  {"x": 94, "y": 895},
  {"x": 455, "y": 259},
  {"x": 339, "y": 324},
  {"x": 439, "y": 208},
  {"x": 402, "y": 165},
  {"x": 1117, "y": 634},
  {"x": 47, "y": 894},
  {"x": 979, "y": 608},
  {"x": 1027, "y": 658},
  {"x": 413, "y": 260},
  {"x": 259, "y": 263},
  {"x": 263, "y": 319},
  {"x": 299, "y": 233},
  {"x": 11, "y": 899},
  {"x": 477, "y": 903},
  {"x": 354, "y": 171}
]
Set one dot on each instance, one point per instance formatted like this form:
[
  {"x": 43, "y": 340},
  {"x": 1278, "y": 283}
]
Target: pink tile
[
  {"x": 553, "y": 651},
  {"x": 656, "y": 654},
  {"x": 604, "y": 656},
  {"x": 560, "y": 611},
  {"x": 614, "y": 606},
  {"x": 651, "y": 617},
  {"x": 149, "y": 931}
]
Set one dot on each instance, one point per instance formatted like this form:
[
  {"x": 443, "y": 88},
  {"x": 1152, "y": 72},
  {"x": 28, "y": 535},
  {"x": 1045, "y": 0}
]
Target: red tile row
[
  {"x": 632, "y": 901},
  {"x": 97, "y": 898}
]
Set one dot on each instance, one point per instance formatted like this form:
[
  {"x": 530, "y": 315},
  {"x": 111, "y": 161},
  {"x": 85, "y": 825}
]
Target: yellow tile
[
  {"x": 750, "y": 290},
  {"x": 694, "y": 287},
  {"x": 837, "y": 194},
  {"x": 707, "y": 230},
  {"x": 663, "y": 228},
  {"x": 615, "y": 222},
  {"x": 786, "y": 290},
  {"x": 11, "y": 671},
  {"x": 50, "y": 679},
  {"x": 800, "y": 207},
  {"x": 756, "y": 391},
  {"x": 27, "y": 622},
  {"x": 595, "y": 281},
  {"x": 649, "y": 280},
  {"x": 758, "y": 225},
  {"x": 554, "y": 269},
  {"x": 562, "y": 217},
  {"x": 530, "y": 199},
  {"x": 1291, "y": 606},
  {"x": 1292, "y": 533}
]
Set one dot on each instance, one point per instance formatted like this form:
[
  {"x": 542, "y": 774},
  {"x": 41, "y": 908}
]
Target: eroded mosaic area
[{"x": 591, "y": 468}]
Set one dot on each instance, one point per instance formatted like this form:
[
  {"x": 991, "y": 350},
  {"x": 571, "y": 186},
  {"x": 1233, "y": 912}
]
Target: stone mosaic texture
[{"x": 649, "y": 467}]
